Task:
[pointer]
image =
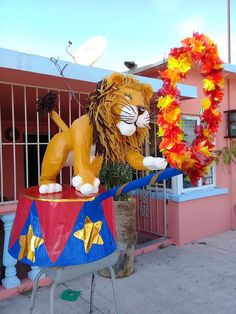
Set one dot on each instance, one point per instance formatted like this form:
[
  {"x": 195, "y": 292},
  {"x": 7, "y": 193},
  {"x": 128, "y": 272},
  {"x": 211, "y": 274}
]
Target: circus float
[{"x": 74, "y": 225}]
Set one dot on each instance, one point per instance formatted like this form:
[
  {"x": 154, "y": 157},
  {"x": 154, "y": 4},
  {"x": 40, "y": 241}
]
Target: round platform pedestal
[{"x": 62, "y": 229}]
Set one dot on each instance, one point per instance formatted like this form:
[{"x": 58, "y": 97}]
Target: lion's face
[
  {"x": 131, "y": 111},
  {"x": 119, "y": 112}
]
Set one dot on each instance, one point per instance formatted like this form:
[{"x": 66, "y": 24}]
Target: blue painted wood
[{"x": 10, "y": 280}]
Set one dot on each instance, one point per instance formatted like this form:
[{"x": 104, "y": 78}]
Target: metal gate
[
  {"x": 151, "y": 211},
  {"x": 151, "y": 200},
  {"x": 24, "y": 134}
]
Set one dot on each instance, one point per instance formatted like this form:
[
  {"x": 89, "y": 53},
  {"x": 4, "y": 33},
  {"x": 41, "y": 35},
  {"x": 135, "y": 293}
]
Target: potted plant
[{"x": 114, "y": 174}]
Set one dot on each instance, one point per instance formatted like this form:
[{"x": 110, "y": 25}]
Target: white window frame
[{"x": 177, "y": 182}]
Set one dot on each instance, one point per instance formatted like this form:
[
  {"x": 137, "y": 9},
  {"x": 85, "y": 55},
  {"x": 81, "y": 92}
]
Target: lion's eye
[
  {"x": 128, "y": 96},
  {"x": 141, "y": 110}
]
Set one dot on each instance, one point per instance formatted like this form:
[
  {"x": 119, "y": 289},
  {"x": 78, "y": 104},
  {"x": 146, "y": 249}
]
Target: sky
[{"x": 143, "y": 31}]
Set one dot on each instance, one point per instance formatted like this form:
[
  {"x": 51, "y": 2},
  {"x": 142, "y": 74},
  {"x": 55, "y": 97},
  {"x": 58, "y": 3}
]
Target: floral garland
[{"x": 195, "y": 158}]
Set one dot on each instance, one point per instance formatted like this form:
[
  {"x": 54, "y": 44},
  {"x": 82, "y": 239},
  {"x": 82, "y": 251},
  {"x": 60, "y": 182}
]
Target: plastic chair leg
[
  {"x": 52, "y": 297},
  {"x": 35, "y": 287},
  {"x": 93, "y": 284},
  {"x": 114, "y": 290}
]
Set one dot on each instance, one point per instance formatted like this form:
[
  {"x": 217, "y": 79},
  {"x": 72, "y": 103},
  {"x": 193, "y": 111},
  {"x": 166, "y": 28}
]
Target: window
[
  {"x": 179, "y": 188},
  {"x": 231, "y": 123},
  {"x": 181, "y": 183}
]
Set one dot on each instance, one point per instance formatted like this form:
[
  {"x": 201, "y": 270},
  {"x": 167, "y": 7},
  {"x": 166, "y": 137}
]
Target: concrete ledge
[
  {"x": 25, "y": 286},
  {"x": 193, "y": 195},
  {"x": 153, "y": 245},
  {"x": 188, "y": 196}
]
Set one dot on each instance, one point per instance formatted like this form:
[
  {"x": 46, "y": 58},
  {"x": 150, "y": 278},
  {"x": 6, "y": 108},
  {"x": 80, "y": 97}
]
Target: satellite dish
[{"x": 90, "y": 51}]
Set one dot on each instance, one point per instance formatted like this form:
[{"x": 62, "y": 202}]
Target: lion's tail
[
  {"x": 46, "y": 104},
  {"x": 58, "y": 120}
]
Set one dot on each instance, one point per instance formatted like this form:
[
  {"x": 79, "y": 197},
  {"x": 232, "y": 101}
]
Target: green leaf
[
  {"x": 114, "y": 174},
  {"x": 226, "y": 158}
]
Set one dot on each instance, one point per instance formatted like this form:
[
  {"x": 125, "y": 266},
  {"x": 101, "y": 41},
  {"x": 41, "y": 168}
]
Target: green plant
[
  {"x": 226, "y": 154},
  {"x": 114, "y": 174}
]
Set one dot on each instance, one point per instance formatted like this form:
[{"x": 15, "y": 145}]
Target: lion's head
[{"x": 119, "y": 111}]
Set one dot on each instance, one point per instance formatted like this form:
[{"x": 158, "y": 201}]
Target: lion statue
[{"x": 114, "y": 128}]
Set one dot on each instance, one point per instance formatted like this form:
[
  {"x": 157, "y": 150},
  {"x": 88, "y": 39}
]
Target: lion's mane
[{"x": 109, "y": 142}]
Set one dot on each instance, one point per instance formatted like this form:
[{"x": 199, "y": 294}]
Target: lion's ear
[
  {"x": 115, "y": 77},
  {"x": 148, "y": 91}
]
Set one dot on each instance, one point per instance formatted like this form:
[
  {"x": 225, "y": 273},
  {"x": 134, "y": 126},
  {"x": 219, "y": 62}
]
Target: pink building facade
[
  {"x": 180, "y": 212},
  {"x": 194, "y": 213}
]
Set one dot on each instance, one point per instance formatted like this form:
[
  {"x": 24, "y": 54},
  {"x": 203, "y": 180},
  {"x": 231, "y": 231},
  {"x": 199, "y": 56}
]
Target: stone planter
[{"x": 125, "y": 212}]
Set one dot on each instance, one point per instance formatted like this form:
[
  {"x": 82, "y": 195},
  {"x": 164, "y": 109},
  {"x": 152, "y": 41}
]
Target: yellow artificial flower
[
  {"x": 182, "y": 64},
  {"x": 179, "y": 159},
  {"x": 205, "y": 151},
  {"x": 208, "y": 85},
  {"x": 221, "y": 83},
  {"x": 172, "y": 115},
  {"x": 218, "y": 66},
  {"x": 206, "y": 133},
  {"x": 160, "y": 131},
  {"x": 197, "y": 45},
  {"x": 216, "y": 113},
  {"x": 180, "y": 138},
  {"x": 195, "y": 50},
  {"x": 206, "y": 103},
  {"x": 164, "y": 102}
]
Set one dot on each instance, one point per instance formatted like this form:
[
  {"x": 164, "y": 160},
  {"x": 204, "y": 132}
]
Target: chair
[{"x": 66, "y": 273}]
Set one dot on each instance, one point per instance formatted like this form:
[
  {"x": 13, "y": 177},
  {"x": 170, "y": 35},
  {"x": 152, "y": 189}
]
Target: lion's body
[
  {"x": 109, "y": 119},
  {"x": 77, "y": 139}
]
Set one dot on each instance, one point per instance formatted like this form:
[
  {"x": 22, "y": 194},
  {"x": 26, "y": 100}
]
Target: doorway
[{"x": 35, "y": 151}]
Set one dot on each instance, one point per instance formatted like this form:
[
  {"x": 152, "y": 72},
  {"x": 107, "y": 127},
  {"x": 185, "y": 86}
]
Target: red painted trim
[
  {"x": 152, "y": 247},
  {"x": 7, "y": 209},
  {"x": 37, "y": 79},
  {"x": 26, "y": 285}
]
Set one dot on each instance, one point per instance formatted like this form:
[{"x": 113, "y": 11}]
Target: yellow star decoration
[
  {"x": 90, "y": 234},
  {"x": 28, "y": 244}
]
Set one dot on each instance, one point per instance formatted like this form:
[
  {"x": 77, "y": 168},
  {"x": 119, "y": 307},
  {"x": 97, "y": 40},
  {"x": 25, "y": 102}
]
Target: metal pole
[
  {"x": 228, "y": 31},
  {"x": 14, "y": 139},
  {"x": 26, "y": 139},
  {"x": 165, "y": 209}
]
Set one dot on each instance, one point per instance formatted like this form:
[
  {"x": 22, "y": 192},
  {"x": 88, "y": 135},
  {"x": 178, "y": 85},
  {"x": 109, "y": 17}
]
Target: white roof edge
[
  {"x": 33, "y": 63},
  {"x": 185, "y": 90},
  {"x": 144, "y": 67},
  {"x": 229, "y": 67}
]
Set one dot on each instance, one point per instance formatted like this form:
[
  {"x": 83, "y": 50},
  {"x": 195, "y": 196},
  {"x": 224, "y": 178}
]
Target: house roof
[
  {"x": 87, "y": 76},
  {"x": 151, "y": 70}
]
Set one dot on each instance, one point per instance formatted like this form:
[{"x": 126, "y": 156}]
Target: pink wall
[
  {"x": 190, "y": 220},
  {"x": 193, "y": 220},
  {"x": 226, "y": 174}
]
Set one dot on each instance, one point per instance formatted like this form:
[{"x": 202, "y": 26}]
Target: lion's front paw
[
  {"x": 154, "y": 163},
  {"x": 50, "y": 188},
  {"x": 85, "y": 188},
  {"x": 77, "y": 182}
]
